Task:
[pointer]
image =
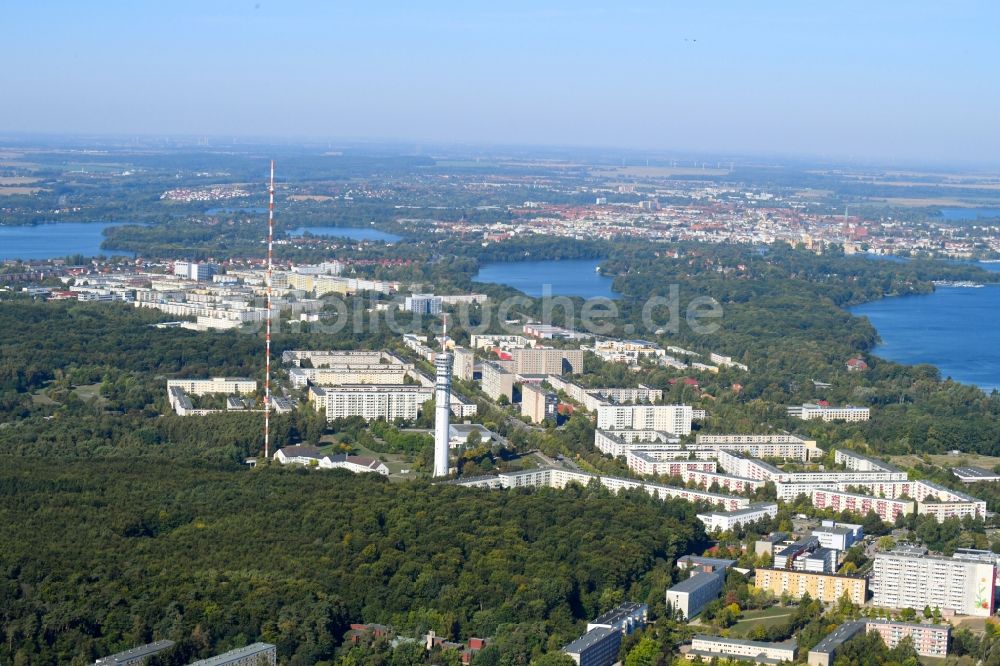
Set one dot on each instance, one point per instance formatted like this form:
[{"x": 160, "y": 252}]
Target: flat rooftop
[
  {"x": 588, "y": 640},
  {"x": 135, "y": 653},
  {"x": 234, "y": 656},
  {"x": 622, "y": 612},
  {"x": 698, "y": 581},
  {"x": 753, "y": 508},
  {"x": 717, "y": 562},
  {"x": 707, "y": 655},
  {"x": 975, "y": 473},
  {"x": 838, "y": 637}
]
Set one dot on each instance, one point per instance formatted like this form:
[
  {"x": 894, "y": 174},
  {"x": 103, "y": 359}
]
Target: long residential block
[
  {"x": 886, "y": 509},
  {"x": 809, "y": 412},
  {"x": 649, "y": 463},
  {"x": 371, "y": 401},
  {"x": 786, "y": 446},
  {"x": 758, "y": 652},
  {"x": 226, "y": 385},
  {"x": 827, "y": 588},
  {"x": 258, "y": 654},
  {"x": 672, "y": 419},
  {"x": 551, "y": 477},
  {"x": 728, "y": 520}
]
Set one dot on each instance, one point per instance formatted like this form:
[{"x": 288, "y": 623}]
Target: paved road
[{"x": 549, "y": 462}]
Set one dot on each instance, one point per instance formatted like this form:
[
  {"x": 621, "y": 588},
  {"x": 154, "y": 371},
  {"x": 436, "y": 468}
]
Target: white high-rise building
[
  {"x": 912, "y": 579},
  {"x": 442, "y": 412},
  {"x": 423, "y": 304},
  {"x": 672, "y": 419}
]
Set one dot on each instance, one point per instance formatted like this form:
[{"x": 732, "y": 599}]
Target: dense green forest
[{"x": 102, "y": 555}]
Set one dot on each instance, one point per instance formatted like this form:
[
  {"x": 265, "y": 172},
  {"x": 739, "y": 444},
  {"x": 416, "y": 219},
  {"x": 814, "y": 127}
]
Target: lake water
[
  {"x": 956, "y": 329},
  {"x": 571, "y": 277},
  {"x": 354, "y": 233},
  {"x": 969, "y": 213},
  {"x": 52, "y": 241}
]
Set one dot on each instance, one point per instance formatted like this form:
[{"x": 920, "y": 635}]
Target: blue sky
[{"x": 884, "y": 80}]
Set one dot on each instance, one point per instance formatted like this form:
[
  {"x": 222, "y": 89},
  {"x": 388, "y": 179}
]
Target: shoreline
[{"x": 879, "y": 350}]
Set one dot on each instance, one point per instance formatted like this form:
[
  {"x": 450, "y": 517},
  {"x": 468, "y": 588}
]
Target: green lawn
[
  {"x": 768, "y": 617},
  {"x": 948, "y": 661}
]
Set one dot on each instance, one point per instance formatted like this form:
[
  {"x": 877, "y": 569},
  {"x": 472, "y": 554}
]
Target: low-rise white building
[
  {"x": 728, "y": 520},
  {"x": 810, "y": 411},
  {"x": 356, "y": 464},
  {"x": 298, "y": 455},
  {"x": 738, "y": 649},
  {"x": 224, "y": 385}
]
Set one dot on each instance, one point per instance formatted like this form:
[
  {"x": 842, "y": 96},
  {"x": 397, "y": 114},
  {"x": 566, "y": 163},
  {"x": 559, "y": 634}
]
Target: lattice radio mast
[{"x": 267, "y": 335}]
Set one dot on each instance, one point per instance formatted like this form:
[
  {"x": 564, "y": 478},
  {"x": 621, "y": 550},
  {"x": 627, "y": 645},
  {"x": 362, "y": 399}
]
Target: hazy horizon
[{"x": 908, "y": 83}]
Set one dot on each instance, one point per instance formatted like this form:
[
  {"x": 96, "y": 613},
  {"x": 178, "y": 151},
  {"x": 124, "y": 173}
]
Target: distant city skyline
[{"x": 890, "y": 81}]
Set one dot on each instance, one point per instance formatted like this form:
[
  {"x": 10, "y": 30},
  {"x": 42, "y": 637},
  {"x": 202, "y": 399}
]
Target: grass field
[
  {"x": 947, "y": 461},
  {"x": 6, "y": 191},
  {"x": 86, "y": 393},
  {"x": 948, "y": 661},
  {"x": 396, "y": 462},
  {"x": 769, "y": 617}
]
